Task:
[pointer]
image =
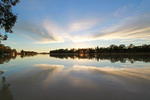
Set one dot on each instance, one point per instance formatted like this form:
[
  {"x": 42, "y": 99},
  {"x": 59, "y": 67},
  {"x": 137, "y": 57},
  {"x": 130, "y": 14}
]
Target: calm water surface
[{"x": 43, "y": 77}]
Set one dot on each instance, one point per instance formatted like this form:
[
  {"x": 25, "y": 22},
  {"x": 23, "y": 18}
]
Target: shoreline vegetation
[
  {"x": 113, "y": 53},
  {"x": 111, "y": 50},
  {"x": 8, "y": 51}
]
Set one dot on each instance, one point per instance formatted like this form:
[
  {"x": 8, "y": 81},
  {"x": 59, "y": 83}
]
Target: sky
[{"x": 45, "y": 25}]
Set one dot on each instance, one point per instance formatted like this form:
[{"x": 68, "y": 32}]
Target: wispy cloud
[
  {"x": 45, "y": 33},
  {"x": 121, "y": 12},
  {"x": 50, "y": 32},
  {"x": 136, "y": 27},
  {"x": 128, "y": 28}
]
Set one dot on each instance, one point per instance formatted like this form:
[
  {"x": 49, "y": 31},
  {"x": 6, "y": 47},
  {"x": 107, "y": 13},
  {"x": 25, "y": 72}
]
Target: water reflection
[
  {"x": 6, "y": 58},
  {"x": 1, "y": 72},
  {"x": 44, "y": 78},
  {"x": 28, "y": 55},
  {"x": 134, "y": 73},
  {"x": 51, "y": 75},
  {"x": 112, "y": 57},
  {"x": 82, "y": 83},
  {"x": 5, "y": 93}
]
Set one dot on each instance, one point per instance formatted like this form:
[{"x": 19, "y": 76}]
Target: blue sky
[{"x": 44, "y": 25}]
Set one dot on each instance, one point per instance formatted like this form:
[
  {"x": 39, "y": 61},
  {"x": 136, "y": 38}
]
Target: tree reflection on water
[
  {"x": 112, "y": 57},
  {"x": 5, "y": 93}
]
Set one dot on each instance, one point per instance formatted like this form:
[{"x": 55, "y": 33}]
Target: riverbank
[{"x": 99, "y": 53}]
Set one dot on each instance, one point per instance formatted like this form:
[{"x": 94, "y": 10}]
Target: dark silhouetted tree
[{"x": 7, "y": 17}]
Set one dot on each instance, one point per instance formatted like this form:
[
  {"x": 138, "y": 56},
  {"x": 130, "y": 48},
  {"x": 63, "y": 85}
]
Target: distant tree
[
  {"x": 91, "y": 50},
  {"x": 131, "y": 46},
  {"x": 112, "y": 46},
  {"x": 121, "y": 46},
  {"x": 7, "y": 17},
  {"x": 97, "y": 49}
]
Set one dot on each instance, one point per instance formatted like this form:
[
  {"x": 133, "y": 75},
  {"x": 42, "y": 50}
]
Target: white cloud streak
[{"x": 129, "y": 28}]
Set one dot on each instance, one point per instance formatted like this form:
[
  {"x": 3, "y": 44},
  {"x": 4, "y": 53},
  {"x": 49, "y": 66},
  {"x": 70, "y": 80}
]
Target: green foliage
[{"x": 7, "y": 17}]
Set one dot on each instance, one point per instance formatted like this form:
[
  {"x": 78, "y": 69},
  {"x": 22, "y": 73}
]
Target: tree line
[
  {"x": 6, "y": 50},
  {"x": 27, "y": 53},
  {"x": 111, "y": 49}
]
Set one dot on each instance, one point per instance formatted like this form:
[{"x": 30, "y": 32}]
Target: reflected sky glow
[
  {"x": 46, "y": 66},
  {"x": 127, "y": 72},
  {"x": 42, "y": 78}
]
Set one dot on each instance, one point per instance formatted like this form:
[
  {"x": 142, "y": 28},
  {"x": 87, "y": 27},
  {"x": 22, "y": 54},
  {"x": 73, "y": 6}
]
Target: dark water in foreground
[{"x": 43, "y": 77}]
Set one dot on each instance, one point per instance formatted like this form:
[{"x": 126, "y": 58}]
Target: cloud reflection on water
[
  {"x": 133, "y": 72},
  {"x": 76, "y": 72},
  {"x": 47, "y": 66},
  {"x": 59, "y": 81},
  {"x": 51, "y": 76}
]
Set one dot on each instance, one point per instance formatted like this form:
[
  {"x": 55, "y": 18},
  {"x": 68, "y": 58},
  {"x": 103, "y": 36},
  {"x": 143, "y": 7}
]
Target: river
[{"x": 45, "y": 77}]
